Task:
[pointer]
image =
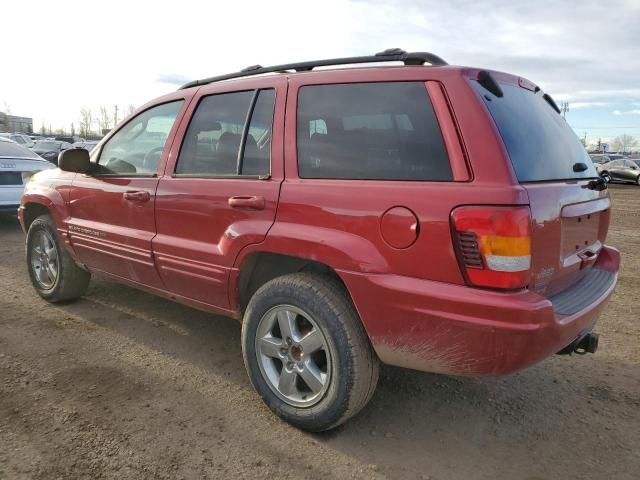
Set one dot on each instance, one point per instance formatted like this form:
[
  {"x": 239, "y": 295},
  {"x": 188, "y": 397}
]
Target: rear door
[
  {"x": 220, "y": 191},
  {"x": 570, "y": 220}
]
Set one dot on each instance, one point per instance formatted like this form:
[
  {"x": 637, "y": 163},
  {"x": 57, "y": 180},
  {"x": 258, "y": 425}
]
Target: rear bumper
[{"x": 458, "y": 330}]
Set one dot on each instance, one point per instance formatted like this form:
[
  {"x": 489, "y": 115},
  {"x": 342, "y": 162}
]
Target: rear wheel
[
  {"x": 638, "y": 180},
  {"x": 53, "y": 273},
  {"x": 306, "y": 351}
]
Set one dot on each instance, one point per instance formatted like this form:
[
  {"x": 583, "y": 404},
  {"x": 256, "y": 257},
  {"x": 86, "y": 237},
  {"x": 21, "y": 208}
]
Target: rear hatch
[{"x": 569, "y": 219}]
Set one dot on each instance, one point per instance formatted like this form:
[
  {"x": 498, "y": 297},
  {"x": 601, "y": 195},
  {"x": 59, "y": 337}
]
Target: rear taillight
[{"x": 493, "y": 245}]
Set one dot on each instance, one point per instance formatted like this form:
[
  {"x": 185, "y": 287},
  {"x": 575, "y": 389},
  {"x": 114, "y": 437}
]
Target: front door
[
  {"x": 112, "y": 208},
  {"x": 221, "y": 192}
]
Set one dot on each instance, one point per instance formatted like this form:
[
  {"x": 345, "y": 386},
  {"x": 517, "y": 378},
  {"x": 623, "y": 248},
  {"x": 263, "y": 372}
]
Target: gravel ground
[{"x": 122, "y": 384}]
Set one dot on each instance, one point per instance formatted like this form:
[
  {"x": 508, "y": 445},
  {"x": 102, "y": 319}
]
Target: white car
[
  {"x": 17, "y": 165},
  {"x": 20, "y": 138}
]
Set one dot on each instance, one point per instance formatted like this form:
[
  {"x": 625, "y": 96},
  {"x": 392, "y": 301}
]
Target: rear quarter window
[
  {"x": 370, "y": 131},
  {"x": 540, "y": 143}
]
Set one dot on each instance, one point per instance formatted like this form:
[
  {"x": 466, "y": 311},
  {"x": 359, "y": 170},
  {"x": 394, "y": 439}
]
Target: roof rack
[{"x": 389, "y": 55}]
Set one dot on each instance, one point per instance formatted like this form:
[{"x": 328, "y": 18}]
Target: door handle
[
  {"x": 141, "y": 196},
  {"x": 250, "y": 202}
]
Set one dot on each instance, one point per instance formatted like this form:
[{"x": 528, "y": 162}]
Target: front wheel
[
  {"x": 306, "y": 351},
  {"x": 53, "y": 273}
]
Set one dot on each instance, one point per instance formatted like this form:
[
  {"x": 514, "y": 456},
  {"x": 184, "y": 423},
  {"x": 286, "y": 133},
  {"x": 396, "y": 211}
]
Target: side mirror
[{"x": 74, "y": 160}]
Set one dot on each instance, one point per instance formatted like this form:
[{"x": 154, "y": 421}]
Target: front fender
[{"x": 52, "y": 193}]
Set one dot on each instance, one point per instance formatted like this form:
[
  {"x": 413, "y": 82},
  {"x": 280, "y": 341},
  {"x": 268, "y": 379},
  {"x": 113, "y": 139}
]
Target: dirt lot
[{"x": 122, "y": 384}]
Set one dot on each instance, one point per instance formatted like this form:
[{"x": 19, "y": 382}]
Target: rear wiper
[{"x": 579, "y": 167}]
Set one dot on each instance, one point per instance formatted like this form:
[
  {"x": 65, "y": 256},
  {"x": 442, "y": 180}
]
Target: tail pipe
[{"x": 586, "y": 344}]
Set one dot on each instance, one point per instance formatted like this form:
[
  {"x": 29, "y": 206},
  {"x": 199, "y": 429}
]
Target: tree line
[
  {"x": 92, "y": 122},
  {"x": 623, "y": 143},
  {"x": 104, "y": 119}
]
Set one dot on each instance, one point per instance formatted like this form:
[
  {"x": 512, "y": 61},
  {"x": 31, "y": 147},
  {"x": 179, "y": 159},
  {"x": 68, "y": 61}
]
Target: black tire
[
  {"x": 638, "y": 180},
  {"x": 354, "y": 364},
  {"x": 71, "y": 281}
]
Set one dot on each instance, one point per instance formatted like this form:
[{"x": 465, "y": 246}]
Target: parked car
[
  {"x": 438, "y": 218},
  {"x": 86, "y": 144},
  {"x": 599, "y": 158},
  {"x": 621, "y": 170},
  {"x": 17, "y": 165},
  {"x": 19, "y": 138},
  {"x": 50, "y": 149}
]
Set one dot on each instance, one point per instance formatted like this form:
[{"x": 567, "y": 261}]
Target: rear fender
[{"x": 338, "y": 250}]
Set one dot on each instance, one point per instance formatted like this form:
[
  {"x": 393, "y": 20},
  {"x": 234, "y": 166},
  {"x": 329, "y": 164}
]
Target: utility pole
[
  {"x": 564, "y": 108},
  {"x": 115, "y": 115}
]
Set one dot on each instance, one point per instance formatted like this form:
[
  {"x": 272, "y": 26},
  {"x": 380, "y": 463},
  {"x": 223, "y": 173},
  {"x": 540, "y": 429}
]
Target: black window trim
[
  {"x": 121, "y": 175},
  {"x": 222, "y": 177},
  {"x": 243, "y": 140},
  {"x": 98, "y": 153}
]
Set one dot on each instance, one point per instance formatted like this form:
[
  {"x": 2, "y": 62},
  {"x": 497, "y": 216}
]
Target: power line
[{"x": 606, "y": 128}]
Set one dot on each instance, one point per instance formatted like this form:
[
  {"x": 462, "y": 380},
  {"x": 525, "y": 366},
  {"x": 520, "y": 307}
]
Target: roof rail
[{"x": 389, "y": 55}]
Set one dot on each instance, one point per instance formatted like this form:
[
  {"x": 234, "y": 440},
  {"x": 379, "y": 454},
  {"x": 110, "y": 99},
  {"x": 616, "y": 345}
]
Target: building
[{"x": 13, "y": 123}]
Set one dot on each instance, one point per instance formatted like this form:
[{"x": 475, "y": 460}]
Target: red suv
[{"x": 433, "y": 217}]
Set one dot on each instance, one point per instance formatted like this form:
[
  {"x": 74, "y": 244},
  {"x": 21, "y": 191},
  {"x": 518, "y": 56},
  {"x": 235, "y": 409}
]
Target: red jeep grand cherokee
[{"x": 433, "y": 217}]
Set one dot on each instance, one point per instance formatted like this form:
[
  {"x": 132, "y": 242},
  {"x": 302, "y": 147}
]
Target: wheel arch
[
  {"x": 51, "y": 203},
  {"x": 31, "y": 211},
  {"x": 259, "y": 267}
]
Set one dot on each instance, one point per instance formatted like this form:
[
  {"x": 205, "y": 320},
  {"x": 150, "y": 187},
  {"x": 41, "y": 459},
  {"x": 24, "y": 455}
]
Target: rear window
[
  {"x": 539, "y": 141},
  {"x": 370, "y": 131}
]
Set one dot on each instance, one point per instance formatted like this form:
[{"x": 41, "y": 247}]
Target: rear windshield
[{"x": 539, "y": 141}]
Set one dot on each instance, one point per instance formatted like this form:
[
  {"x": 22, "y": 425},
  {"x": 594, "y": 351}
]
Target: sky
[{"x": 59, "y": 57}]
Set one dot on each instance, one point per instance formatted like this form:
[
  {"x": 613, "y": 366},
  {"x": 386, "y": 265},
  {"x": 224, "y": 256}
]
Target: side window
[
  {"x": 137, "y": 147},
  {"x": 218, "y": 134},
  {"x": 375, "y": 131}
]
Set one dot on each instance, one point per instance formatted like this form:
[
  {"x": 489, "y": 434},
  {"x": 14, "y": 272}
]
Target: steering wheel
[{"x": 149, "y": 155}]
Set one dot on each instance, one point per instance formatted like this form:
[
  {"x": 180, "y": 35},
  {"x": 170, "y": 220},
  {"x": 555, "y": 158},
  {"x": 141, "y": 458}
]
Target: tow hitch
[{"x": 585, "y": 344}]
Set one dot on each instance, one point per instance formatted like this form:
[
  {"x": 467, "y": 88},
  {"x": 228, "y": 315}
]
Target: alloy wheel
[
  {"x": 293, "y": 356},
  {"x": 44, "y": 260}
]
